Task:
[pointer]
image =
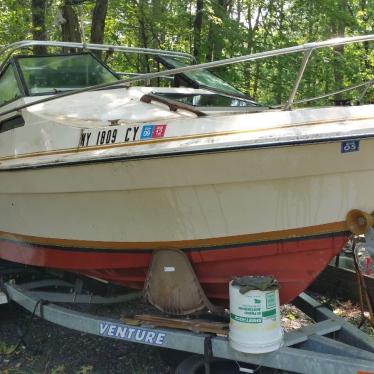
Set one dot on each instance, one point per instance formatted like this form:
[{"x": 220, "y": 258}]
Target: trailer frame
[{"x": 330, "y": 345}]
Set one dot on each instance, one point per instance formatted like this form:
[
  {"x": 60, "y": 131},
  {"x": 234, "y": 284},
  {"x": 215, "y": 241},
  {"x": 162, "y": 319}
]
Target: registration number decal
[
  {"x": 350, "y": 146},
  {"x": 121, "y": 134}
]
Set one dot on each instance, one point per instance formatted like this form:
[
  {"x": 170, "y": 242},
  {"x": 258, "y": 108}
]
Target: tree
[
  {"x": 70, "y": 29},
  {"x": 198, "y": 23},
  {"x": 38, "y": 10},
  {"x": 98, "y": 21},
  {"x": 210, "y": 30}
]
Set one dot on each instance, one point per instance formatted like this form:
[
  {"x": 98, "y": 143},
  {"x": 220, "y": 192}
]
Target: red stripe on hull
[{"x": 294, "y": 263}]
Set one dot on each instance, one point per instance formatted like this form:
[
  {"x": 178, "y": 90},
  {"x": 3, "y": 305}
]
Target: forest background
[{"x": 212, "y": 30}]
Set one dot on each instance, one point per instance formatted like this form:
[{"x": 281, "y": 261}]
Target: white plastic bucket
[{"x": 255, "y": 325}]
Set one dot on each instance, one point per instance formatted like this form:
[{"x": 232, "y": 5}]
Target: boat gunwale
[{"x": 218, "y": 149}]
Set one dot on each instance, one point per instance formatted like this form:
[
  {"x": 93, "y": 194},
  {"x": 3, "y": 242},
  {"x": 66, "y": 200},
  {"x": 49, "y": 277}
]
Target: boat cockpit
[
  {"x": 174, "y": 80},
  {"x": 30, "y": 75}
]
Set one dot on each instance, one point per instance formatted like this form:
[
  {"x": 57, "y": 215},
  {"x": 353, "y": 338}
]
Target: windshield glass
[
  {"x": 8, "y": 86},
  {"x": 51, "y": 74},
  {"x": 203, "y": 78}
]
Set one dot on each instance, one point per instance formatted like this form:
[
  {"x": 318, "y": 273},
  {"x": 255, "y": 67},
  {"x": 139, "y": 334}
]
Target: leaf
[{"x": 86, "y": 369}]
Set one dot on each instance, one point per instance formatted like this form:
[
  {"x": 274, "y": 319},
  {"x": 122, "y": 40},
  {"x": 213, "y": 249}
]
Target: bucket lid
[{"x": 249, "y": 283}]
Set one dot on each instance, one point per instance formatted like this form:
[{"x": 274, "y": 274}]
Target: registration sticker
[
  {"x": 159, "y": 131},
  {"x": 350, "y": 146},
  {"x": 153, "y": 131},
  {"x": 147, "y": 132}
]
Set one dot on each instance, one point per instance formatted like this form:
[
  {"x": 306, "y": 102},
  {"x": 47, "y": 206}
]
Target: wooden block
[{"x": 195, "y": 325}]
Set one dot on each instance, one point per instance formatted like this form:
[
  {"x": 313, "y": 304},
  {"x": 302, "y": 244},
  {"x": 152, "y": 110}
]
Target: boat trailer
[{"x": 330, "y": 345}]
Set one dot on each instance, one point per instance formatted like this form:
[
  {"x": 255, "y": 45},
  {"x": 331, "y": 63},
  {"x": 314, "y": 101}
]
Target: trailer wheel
[
  {"x": 173, "y": 357},
  {"x": 195, "y": 365}
]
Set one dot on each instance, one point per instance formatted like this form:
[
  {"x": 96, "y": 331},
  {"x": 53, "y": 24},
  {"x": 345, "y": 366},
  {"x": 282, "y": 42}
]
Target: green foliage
[
  {"x": 86, "y": 369},
  {"x": 229, "y": 28},
  {"x": 61, "y": 369},
  {"x": 6, "y": 349}
]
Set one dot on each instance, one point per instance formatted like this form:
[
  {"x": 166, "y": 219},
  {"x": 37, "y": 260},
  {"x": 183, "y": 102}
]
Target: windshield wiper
[{"x": 173, "y": 105}]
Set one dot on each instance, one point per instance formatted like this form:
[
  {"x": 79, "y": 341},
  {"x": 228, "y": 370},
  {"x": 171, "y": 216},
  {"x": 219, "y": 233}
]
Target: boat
[{"x": 99, "y": 172}]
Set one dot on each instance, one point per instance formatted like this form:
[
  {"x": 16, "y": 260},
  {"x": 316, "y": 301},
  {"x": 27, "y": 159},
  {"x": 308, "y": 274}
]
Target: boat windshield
[
  {"x": 201, "y": 78},
  {"x": 53, "y": 74}
]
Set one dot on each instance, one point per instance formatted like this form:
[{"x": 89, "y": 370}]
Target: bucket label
[
  {"x": 251, "y": 311},
  {"x": 245, "y": 319},
  {"x": 255, "y": 316},
  {"x": 270, "y": 300},
  {"x": 256, "y": 309},
  {"x": 269, "y": 313}
]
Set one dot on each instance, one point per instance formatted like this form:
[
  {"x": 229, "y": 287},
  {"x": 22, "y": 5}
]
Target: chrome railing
[
  {"x": 11, "y": 48},
  {"x": 366, "y": 85},
  {"x": 306, "y": 49}
]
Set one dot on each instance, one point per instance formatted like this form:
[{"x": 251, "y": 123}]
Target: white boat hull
[{"x": 190, "y": 197}]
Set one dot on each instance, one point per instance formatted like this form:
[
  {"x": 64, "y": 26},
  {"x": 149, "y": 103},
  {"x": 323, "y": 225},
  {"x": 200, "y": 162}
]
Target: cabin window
[
  {"x": 9, "y": 89},
  {"x": 11, "y": 123},
  {"x": 53, "y": 74}
]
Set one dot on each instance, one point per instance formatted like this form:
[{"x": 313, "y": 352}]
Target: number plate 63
[{"x": 350, "y": 146}]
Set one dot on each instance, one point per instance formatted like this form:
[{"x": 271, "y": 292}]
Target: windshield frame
[{"x": 22, "y": 80}]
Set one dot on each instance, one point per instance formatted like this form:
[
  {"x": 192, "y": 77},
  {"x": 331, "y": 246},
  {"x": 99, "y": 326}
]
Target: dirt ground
[{"x": 51, "y": 349}]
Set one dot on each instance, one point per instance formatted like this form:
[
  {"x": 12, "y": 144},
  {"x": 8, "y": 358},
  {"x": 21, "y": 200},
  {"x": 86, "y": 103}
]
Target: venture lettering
[{"x": 131, "y": 333}]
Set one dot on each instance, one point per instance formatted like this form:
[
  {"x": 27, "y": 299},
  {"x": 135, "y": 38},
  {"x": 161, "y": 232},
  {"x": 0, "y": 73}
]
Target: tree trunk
[
  {"x": 338, "y": 30},
  {"x": 197, "y": 26},
  {"x": 221, "y": 12},
  {"x": 256, "y": 79},
  {"x": 98, "y": 24},
  {"x": 247, "y": 66},
  {"x": 364, "y": 7},
  {"x": 38, "y": 10},
  {"x": 238, "y": 10},
  {"x": 143, "y": 59},
  {"x": 98, "y": 21},
  {"x": 280, "y": 64},
  {"x": 152, "y": 21},
  {"x": 215, "y": 36},
  {"x": 210, "y": 43},
  {"x": 70, "y": 28}
]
